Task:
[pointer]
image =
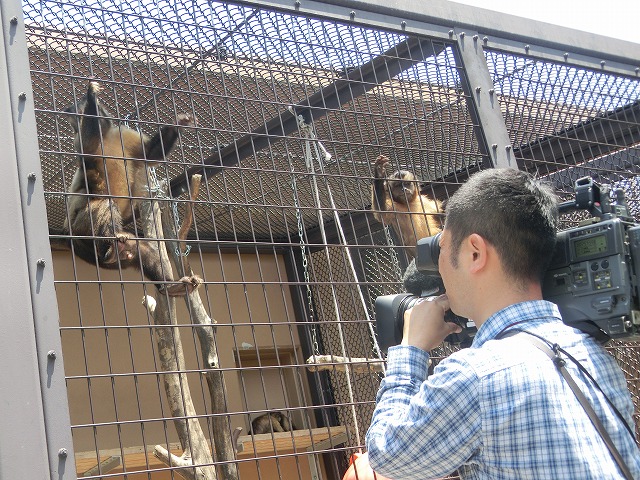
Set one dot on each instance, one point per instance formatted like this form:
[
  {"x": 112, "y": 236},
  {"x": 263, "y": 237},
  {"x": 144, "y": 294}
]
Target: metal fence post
[
  {"x": 486, "y": 114},
  {"x": 35, "y": 438}
]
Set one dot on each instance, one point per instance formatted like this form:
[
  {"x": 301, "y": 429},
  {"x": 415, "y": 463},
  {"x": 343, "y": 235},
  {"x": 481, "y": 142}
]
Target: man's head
[{"x": 513, "y": 212}]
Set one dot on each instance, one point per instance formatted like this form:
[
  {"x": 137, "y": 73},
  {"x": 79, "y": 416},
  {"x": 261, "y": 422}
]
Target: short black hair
[{"x": 514, "y": 212}]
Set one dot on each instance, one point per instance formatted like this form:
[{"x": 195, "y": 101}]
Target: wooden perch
[
  {"x": 196, "y": 453},
  {"x": 317, "y": 363},
  {"x": 225, "y": 445}
]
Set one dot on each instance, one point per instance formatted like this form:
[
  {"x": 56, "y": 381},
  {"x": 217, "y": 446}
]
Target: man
[{"x": 499, "y": 409}]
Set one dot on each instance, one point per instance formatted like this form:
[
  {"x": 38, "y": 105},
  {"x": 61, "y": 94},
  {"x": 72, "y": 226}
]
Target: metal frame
[
  {"x": 355, "y": 83},
  {"x": 36, "y": 434},
  {"x": 35, "y": 422},
  {"x": 510, "y": 33}
]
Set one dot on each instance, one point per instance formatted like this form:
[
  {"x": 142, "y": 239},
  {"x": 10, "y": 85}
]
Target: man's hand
[{"x": 424, "y": 325}]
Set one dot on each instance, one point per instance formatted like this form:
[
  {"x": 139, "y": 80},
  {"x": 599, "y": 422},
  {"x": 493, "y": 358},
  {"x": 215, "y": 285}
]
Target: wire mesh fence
[{"x": 289, "y": 114}]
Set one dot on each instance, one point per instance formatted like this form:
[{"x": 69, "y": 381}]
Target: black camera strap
[{"x": 559, "y": 362}]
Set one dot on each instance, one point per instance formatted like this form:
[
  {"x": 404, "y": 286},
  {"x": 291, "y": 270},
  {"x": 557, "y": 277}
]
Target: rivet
[
  {"x": 52, "y": 354},
  {"x": 403, "y": 24},
  {"x": 494, "y": 146},
  {"x": 32, "y": 177},
  {"x": 637, "y": 70},
  {"x": 485, "y": 40},
  {"x": 507, "y": 148},
  {"x": 478, "y": 89},
  {"x": 475, "y": 38},
  {"x": 297, "y": 4},
  {"x": 22, "y": 96},
  {"x": 14, "y": 20},
  {"x": 491, "y": 91},
  {"x": 602, "y": 64},
  {"x": 461, "y": 34},
  {"x": 526, "y": 48},
  {"x": 566, "y": 55},
  {"x": 450, "y": 33},
  {"x": 352, "y": 14},
  {"x": 63, "y": 453},
  {"x": 41, "y": 262}
]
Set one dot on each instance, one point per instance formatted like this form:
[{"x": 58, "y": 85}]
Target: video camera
[{"x": 592, "y": 275}]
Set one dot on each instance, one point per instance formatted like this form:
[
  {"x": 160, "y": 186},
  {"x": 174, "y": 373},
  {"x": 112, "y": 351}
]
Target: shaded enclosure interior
[{"x": 283, "y": 236}]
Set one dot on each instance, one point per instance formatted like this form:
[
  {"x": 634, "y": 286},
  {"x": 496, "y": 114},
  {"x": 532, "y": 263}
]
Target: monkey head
[{"x": 402, "y": 185}]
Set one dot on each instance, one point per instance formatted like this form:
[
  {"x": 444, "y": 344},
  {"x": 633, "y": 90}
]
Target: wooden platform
[{"x": 142, "y": 458}]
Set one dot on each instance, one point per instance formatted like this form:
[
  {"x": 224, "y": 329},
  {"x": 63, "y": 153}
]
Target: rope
[{"x": 314, "y": 149}]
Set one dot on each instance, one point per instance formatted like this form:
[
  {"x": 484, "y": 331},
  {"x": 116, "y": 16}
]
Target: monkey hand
[
  {"x": 183, "y": 286},
  {"x": 186, "y": 120},
  {"x": 94, "y": 88},
  {"x": 381, "y": 166}
]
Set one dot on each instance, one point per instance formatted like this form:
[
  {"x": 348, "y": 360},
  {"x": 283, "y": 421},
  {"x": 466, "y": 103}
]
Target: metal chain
[
  {"x": 305, "y": 267},
  {"x": 157, "y": 188}
]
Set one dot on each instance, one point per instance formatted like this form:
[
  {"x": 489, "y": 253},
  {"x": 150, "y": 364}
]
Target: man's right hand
[{"x": 424, "y": 325}]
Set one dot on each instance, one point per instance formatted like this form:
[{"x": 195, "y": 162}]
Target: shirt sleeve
[{"x": 424, "y": 427}]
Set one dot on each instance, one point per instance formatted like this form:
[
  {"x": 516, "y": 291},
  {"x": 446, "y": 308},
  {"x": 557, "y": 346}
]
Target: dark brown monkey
[
  {"x": 397, "y": 201},
  {"x": 271, "y": 422},
  {"x": 111, "y": 181}
]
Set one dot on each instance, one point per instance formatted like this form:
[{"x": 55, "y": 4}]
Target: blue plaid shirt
[{"x": 500, "y": 409}]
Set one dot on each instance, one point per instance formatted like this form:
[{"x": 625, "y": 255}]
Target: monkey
[
  {"x": 271, "y": 422},
  {"x": 397, "y": 201},
  {"x": 111, "y": 182}
]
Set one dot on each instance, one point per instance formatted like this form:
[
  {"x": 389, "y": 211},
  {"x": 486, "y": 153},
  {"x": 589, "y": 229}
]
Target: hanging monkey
[
  {"x": 111, "y": 182},
  {"x": 396, "y": 201},
  {"x": 271, "y": 422}
]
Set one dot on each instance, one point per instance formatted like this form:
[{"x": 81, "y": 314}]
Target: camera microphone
[{"x": 420, "y": 284}]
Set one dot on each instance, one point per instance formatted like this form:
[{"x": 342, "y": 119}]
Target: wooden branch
[
  {"x": 317, "y": 363},
  {"x": 185, "y": 462},
  {"x": 170, "y": 353},
  {"x": 187, "y": 221},
  {"x": 196, "y": 180},
  {"x": 225, "y": 446},
  {"x": 103, "y": 467}
]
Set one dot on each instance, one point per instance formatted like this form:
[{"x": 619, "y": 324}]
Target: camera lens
[
  {"x": 390, "y": 317},
  {"x": 428, "y": 252},
  {"x": 390, "y": 310}
]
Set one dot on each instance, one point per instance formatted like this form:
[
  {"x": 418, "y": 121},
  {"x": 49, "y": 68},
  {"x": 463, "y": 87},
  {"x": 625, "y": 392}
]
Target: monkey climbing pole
[{"x": 196, "y": 461}]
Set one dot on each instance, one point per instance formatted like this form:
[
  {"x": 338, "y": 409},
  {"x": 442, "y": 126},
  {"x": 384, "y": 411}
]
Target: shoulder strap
[{"x": 560, "y": 363}]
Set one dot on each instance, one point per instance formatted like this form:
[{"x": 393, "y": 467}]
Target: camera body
[
  {"x": 593, "y": 273},
  {"x": 591, "y": 277}
]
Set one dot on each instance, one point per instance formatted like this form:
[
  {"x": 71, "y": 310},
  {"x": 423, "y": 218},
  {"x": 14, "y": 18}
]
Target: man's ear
[{"x": 478, "y": 252}]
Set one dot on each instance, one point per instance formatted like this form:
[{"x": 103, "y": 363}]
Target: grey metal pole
[
  {"x": 35, "y": 437},
  {"x": 478, "y": 85}
]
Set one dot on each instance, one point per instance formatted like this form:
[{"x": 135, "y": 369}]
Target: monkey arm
[
  {"x": 379, "y": 188},
  {"x": 93, "y": 125},
  {"x": 158, "y": 146}
]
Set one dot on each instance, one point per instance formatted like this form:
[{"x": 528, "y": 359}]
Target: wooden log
[
  {"x": 196, "y": 454},
  {"x": 317, "y": 363},
  {"x": 225, "y": 447}
]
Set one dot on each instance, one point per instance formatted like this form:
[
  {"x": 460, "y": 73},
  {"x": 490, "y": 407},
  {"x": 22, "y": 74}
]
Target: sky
[{"x": 612, "y": 18}]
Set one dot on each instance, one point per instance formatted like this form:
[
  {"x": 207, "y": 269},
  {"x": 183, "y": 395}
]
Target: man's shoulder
[
  {"x": 493, "y": 356},
  {"x": 519, "y": 352}
]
